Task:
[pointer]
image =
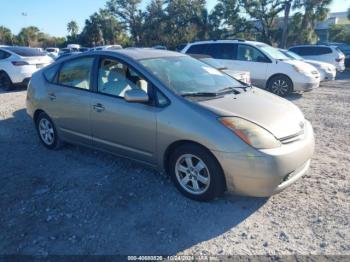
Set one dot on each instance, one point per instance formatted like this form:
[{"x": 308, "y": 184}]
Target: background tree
[
  {"x": 154, "y": 31},
  {"x": 5, "y": 36},
  {"x": 127, "y": 12},
  {"x": 28, "y": 36},
  {"x": 312, "y": 11},
  {"x": 265, "y": 12},
  {"x": 73, "y": 28}
]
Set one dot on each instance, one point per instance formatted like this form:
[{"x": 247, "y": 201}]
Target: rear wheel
[
  {"x": 5, "y": 82},
  {"x": 196, "y": 173},
  {"x": 280, "y": 85},
  {"x": 47, "y": 131}
]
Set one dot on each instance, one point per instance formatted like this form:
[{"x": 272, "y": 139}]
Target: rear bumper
[{"x": 262, "y": 173}]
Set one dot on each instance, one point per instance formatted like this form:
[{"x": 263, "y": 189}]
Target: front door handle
[
  {"x": 52, "y": 96},
  {"x": 98, "y": 107}
]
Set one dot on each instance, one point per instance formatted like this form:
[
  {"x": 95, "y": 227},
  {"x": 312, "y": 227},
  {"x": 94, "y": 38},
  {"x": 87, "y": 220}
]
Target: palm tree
[
  {"x": 29, "y": 35},
  {"x": 5, "y": 35},
  {"x": 72, "y": 28}
]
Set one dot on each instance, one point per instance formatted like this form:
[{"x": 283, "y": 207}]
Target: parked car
[
  {"x": 345, "y": 48},
  {"x": 53, "y": 51},
  {"x": 166, "y": 109},
  {"x": 17, "y": 64},
  {"x": 106, "y": 47},
  {"x": 328, "y": 54},
  {"x": 243, "y": 76},
  {"x": 269, "y": 68},
  {"x": 162, "y": 47},
  {"x": 67, "y": 55},
  {"x": 327, "y": 71}
]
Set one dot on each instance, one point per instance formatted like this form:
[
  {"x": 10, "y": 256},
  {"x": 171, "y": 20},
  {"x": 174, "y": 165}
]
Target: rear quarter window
[
  {"x": 197, "y": 49},
  {"x": 4, "y": 55},
  {"x": 322, "y": 50}
]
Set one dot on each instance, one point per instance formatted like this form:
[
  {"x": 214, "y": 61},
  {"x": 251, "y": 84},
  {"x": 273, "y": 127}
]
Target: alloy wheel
[
  {"x": 280, "y": 87},
  {"x": 192, "y": 174},
  {"x": 46, "y": 131}
]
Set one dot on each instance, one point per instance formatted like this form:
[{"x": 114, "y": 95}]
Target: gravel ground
[{"x": 80, "y": 201}]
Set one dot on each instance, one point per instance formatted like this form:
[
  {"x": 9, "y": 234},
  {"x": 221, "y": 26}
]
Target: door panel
[
  {"x": 70, "y": 110},
  {"x": 119, "y": 126},
  {"x": 69, "y": 99},
  {"x": 124, "y": 128}
]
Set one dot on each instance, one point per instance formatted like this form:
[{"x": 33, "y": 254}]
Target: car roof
[
  {"x": 309, "y": 46},
  {"x": 144, "y": 53},
  {"x": 255, "y": 43}
]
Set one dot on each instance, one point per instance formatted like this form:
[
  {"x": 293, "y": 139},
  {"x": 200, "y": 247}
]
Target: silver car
[{"x": 174, "y": 113}]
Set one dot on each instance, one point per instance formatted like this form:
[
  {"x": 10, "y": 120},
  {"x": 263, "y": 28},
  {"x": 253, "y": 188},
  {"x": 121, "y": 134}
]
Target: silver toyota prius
[{"x": 209, "y": 132}]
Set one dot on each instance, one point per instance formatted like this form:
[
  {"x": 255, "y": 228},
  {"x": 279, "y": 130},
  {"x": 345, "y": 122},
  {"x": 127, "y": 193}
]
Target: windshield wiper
[
  {"x": 203, "y": 94},
  {"x": 231, "y": 89}
]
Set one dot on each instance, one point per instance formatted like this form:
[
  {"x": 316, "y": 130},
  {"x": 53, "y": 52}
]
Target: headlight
[
  {"x": 250, "y": 133},
  {"x": 300, "y": 69}
]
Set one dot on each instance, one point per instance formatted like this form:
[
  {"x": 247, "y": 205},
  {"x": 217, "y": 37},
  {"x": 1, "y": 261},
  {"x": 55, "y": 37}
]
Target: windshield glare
[
  {"x": 187, "y": 75},
  {"x": 292, "y": 55},
  {"x": 274, "y": 52}
]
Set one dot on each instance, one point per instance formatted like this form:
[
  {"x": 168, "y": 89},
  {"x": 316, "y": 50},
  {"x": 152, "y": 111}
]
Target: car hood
[
  {"x": 279, "y": 116},
  {"x": 301, "y": 64},
  {"x": 318, "y": 63}
]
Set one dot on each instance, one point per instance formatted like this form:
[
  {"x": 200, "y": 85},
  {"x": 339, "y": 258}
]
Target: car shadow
[
  {"x": 294, "y": 96},
  {"x": 81, "y": 201},
  {"x": 16, "y": 88}
]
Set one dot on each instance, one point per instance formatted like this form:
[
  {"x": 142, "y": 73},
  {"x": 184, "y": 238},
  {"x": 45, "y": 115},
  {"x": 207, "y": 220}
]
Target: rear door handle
[
  {"x": 98, "y": 107},
  {"x": 52, "y": 96}
]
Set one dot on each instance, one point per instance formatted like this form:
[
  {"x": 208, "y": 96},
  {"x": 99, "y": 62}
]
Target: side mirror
[
  {"x": 136, "y": 96},
  {"x": 263, "y": 59}
]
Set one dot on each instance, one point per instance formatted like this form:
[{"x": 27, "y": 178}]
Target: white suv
[
  {"x": 328, "y": 54},
  {"x": 269, "y": 68},
  {"x": 17, "y": 64}
]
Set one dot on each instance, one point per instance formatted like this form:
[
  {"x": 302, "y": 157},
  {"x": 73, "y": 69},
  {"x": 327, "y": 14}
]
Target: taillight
[
  {"x": 339, "y": 59},
  {"x": 19, "y": 63}
]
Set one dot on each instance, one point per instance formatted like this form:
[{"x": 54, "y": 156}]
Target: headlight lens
[
  {"x": 300, "y": 69},
  {"x": 250, "y": 133}
]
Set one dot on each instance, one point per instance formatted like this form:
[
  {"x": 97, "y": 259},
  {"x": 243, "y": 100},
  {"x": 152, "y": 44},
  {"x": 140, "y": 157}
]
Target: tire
[
  {"x": 202, "y": 178},
  {"x": 5, "y": 82},
  {"x": 47, "y": 132},
  {"x": 280, "y": 85}
]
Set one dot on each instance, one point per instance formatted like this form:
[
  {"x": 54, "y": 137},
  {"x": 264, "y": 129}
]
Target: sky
[{"x": 52, "y": 16}]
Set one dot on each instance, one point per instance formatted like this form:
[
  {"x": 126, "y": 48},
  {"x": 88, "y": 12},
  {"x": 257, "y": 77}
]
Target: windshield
[
  {"x": 212, "y": 62},
  {"x": 186, "y": 75},
  {"x": 273, "y": 52},
  {"x": 292, "y": 55},
  {"x": 26, "y": 51}
]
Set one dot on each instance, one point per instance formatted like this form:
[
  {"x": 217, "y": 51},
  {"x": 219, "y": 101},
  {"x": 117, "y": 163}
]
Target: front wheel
[
  {"x": 47, "y": 132},
  {"x": 196, "y": 173},
  {"x": 280, "y": 85}
]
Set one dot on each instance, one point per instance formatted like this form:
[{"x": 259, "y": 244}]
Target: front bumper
[
  {"x": 308, "y": 86},
  {"x": 262, "y": 173}
]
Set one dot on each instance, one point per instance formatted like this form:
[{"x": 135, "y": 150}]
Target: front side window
[
  {"x": 76, "y": 73},
  {"x": 249, "y": 54},
  {"x": 115, "y": 78},
  {"x": 186, "y": 75}
]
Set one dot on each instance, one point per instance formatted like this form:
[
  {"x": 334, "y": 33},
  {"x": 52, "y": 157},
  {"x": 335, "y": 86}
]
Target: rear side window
[
  {"x": 76, "y": 73},
  {"x": 217, "y": 50},
  {"x": 4, "y": 55},
  {"x": 222, "y": 51},
  {"x": 50, "y": 73},
  {"x": 26, "y": 51},
  {"x": 197, "y": 49},
  {"x": 311, "y": 50}
]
